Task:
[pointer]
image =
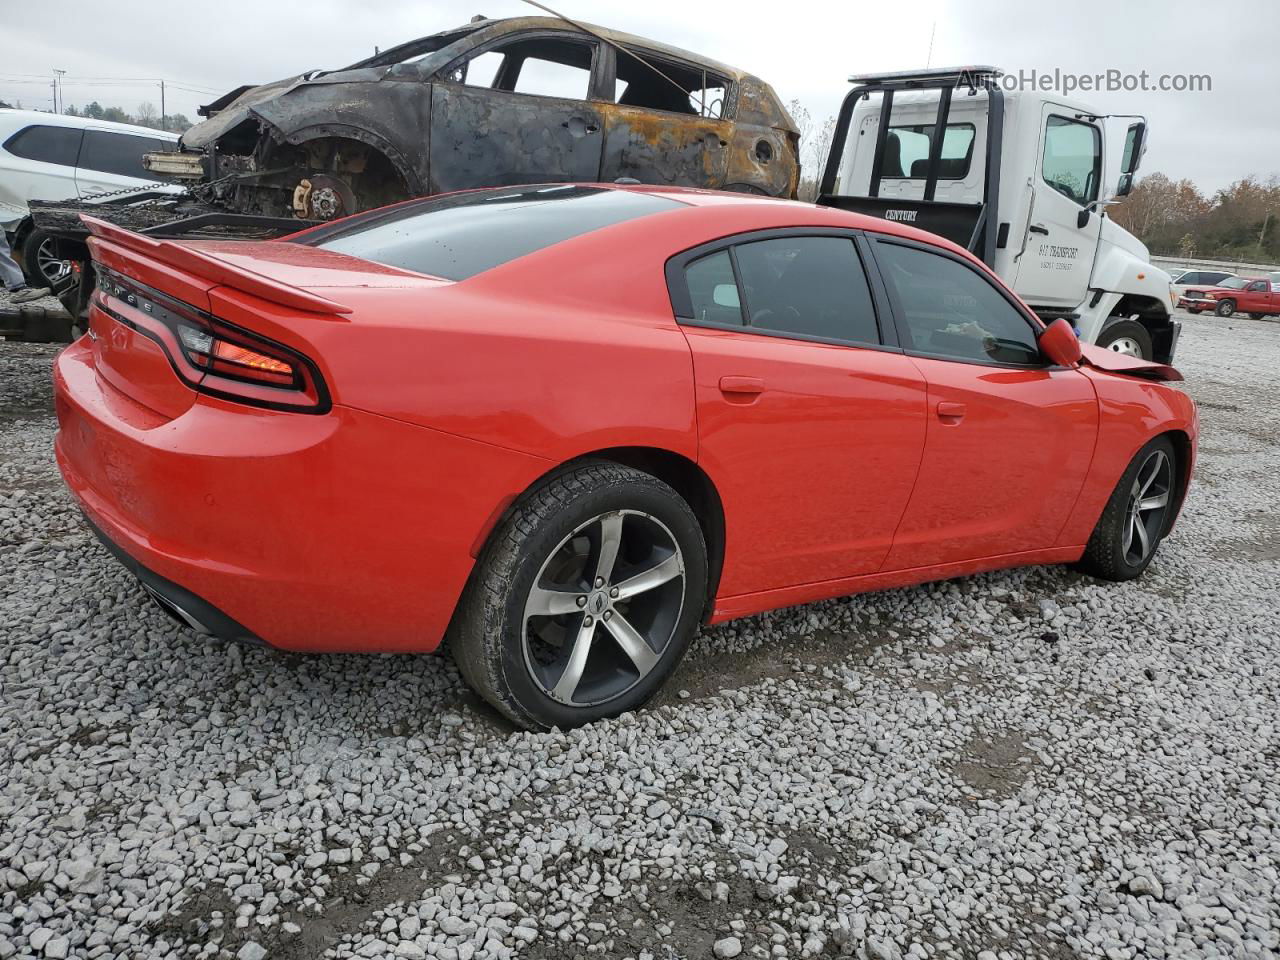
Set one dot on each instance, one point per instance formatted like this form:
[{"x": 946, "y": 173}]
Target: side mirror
[
  {"x": 1135, "y": 142},
  {"x": 1060, "y": 345},
  {"x": 1125, "y": 186}
]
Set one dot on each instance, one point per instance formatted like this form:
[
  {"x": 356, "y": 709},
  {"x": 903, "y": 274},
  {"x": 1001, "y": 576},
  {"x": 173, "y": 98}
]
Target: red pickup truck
[{"x": 1256, "y": 296}]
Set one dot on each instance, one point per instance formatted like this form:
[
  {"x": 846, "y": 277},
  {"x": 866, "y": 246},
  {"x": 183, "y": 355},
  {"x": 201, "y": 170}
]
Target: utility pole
[
  {"x": 57, "y": 89},
  {"x": 163, "y": 122}
]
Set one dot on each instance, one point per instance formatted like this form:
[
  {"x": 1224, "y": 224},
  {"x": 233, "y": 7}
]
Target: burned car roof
[{"x": 446, "y": 38}]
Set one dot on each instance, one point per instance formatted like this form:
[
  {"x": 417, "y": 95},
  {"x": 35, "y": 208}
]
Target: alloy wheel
[
  {"x": 1148, "y": 506},
  {"x": 49, "y": 266},
  {"x": 603, "y": 608}
]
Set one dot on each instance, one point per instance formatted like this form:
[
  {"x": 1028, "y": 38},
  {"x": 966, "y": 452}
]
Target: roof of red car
[{"x": 813, "y": 214}]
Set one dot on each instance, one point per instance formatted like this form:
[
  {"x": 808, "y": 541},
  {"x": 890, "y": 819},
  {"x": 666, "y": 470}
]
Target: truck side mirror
[
  {"x": 1135, "y": 143},
  {"x": 1060, "y": 345},
  {"x": 1125, "y": 186}
]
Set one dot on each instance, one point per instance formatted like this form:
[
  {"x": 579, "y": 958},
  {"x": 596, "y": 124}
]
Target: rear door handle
[
  {"x": 1039, "y": 228},
  {"x": 741, "y": 388},
  {"x": 951, "y": 412}
]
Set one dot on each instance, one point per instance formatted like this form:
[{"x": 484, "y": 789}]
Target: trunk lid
[{"x": 149, "y": 290}]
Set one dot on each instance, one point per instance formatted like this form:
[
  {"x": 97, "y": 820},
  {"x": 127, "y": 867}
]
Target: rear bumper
[
  {"x": 177, "y": 601},
  {"x": 347, "y": 532}
]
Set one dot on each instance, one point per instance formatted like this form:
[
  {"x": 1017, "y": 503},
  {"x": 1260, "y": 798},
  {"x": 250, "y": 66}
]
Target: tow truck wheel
[
  {"x": 1128, "y": 337},
  {"x": 1225, "y": 308}
]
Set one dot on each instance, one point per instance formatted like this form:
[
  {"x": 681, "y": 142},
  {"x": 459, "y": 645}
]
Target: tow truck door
[{"x": 1060, "y": 237}]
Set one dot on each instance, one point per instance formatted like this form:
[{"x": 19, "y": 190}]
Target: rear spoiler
[
  {"x": 1104, "y": 359},
  {"x": 212, "y": 269}
]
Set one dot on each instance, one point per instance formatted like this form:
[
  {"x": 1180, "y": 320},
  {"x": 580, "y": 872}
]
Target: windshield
[
  {"x": 416, "y": 50},
  {"x": 1233, "y": 283},
  {"x": 460, "y": 235}
]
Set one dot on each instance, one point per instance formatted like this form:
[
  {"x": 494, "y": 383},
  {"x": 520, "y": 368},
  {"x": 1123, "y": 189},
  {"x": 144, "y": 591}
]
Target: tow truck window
[
  {"x": 1072, "y": 162},
  {"x": 906, "y": 152}
]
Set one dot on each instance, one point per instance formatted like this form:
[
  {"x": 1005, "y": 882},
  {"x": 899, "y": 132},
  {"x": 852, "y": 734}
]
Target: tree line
[
  {"x": 1173, "y": 218},
  {"x": 146, "y": 116}
]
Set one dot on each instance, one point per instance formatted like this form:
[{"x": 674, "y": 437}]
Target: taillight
[
  {"x": 222, "y": 356},
  {"x": 216, "y": 357}
]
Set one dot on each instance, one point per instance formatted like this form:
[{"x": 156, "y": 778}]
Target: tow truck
[{"x": 1016, "y": 177}]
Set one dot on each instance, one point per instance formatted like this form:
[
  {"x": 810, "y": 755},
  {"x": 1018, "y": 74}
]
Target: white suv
[{"x": 47, "y": 156}]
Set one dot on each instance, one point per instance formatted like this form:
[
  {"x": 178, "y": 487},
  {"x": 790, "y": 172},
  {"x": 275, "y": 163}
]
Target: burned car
[{"x": 493, "y": 103}]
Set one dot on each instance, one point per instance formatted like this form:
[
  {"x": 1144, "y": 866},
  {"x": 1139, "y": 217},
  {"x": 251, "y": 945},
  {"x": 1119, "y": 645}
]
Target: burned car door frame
[
  {"x": 500, "y": 136},
  {"x": 679, "y": 147}
]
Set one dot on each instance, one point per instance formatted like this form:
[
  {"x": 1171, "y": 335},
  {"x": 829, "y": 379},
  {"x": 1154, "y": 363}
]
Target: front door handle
[
  {"x": 951, "y": 412},
  {"x": 741, "y": 389},
  {"x": 1039, "y": 228}
]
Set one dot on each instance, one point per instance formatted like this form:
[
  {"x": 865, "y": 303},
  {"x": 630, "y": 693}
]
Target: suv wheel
[
  {"x": 585, "y": 599},
  {"x": 41, "y": 263}
]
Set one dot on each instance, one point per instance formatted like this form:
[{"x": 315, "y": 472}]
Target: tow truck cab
[{"x": 1020, "y": 179}]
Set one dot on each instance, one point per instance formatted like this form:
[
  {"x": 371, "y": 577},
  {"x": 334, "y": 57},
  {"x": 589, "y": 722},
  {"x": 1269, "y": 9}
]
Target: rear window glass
[
  {"x": 48, "y": 144},
  {"x": 120, "y": 153},
  {"x": 459, "y": 236}
]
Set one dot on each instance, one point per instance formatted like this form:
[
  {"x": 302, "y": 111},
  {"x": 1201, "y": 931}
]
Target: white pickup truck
[{"x": 1016, "y": 177}]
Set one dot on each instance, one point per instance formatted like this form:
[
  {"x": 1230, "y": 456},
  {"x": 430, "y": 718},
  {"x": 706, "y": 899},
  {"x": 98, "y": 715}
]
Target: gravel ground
[{"x": 1020, "y": 764}]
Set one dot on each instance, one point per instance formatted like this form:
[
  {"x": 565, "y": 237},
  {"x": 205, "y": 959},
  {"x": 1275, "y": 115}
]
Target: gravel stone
[{"x": 1024, "y": 763}]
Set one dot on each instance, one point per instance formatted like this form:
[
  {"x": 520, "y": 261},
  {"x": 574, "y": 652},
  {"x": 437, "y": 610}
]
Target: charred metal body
[{"x": 427, "y": 117}]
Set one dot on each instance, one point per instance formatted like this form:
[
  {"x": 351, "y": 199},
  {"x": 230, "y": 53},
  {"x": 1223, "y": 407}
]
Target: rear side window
[
  {"x": 47, "y": 144},
  {"x": 811, "y": 286},
  {"x": 906, "y": 151},
  {"x": 713, "y": 290},
  {"x": 119, "y": 153},
  {"x": 459, "y": 236},
  {"x": 805, "y": 287},
  {"x": 953, "y": 312},
  {"x": 656, "y": 84}
]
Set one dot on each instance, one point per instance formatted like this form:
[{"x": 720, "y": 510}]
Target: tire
[
  {"x": 1225, "y": 308},
  {"x": 523, "y": 662},
  {"x": 1112, "y": 553},
  {"x": 1128, "y": 337},
  {"x": 1257, "y": 316},
  {"x": 38, "y": 262},
  {"x": 1194, "y": 311}
]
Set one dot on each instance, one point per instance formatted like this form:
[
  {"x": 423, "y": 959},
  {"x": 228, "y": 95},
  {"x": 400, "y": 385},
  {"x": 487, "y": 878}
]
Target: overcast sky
[{"x": 806, "y": 49}]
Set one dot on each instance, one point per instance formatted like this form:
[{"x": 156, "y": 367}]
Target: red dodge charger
[{"x": 565, "y": 425}]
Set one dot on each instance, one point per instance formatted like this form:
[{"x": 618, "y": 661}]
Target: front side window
[
  {"x": 46, "y": 144},
  {"x": 953, "y": 312},
  {"x": 460, "y": 235},
  {"x": 1072, "y": 162},
  {"x": 906, "y": 152},
  {"x": 119, "y": 153},
  {"x": 537, "y": 66},
  {"x": 1259, "y": 287}
]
